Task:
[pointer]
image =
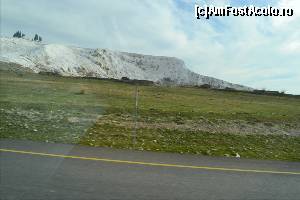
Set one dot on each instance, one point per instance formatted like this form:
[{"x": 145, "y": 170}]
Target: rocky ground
[{"x": 241, "y": 127}]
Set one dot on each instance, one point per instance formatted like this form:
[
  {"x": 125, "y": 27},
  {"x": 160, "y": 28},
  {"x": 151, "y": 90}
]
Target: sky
[{"x": 260, "y": 52}]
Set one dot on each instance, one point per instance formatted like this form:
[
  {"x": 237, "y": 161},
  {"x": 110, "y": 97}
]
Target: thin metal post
[{"x": 136, "y": 114}]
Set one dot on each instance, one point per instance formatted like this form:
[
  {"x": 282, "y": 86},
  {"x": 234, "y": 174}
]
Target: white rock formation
[{"x": 103, "y": 63}]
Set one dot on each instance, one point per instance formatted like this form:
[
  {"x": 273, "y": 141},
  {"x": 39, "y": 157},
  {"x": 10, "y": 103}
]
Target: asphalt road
[{"x": 33, "y": 170}]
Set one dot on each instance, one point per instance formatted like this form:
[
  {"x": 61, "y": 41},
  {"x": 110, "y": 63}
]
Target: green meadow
[{"x": 193, "y": 120}]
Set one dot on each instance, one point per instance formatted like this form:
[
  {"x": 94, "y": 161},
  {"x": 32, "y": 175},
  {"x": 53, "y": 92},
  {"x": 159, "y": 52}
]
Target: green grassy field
[{"x": 174, "y": 119}]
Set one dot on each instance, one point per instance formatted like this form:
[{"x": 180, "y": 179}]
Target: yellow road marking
[{"x": 151, "y": 164}]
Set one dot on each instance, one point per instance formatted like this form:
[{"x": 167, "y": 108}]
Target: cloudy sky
[{"x": 261, "y": 52}]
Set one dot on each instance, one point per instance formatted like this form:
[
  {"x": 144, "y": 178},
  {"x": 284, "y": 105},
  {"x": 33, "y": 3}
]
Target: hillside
[
  {"x": 103, "y": 63},
  {"x": 175, "y": 119}
]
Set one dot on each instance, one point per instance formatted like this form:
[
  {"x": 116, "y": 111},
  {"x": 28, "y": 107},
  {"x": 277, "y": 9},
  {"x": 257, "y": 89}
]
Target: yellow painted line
[{"x": 150, "y": 163}]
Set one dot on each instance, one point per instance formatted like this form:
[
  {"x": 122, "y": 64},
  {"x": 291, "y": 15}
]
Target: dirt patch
[
  {"x": 204, "y": 125},
  {"x": 56, "y": 124}
]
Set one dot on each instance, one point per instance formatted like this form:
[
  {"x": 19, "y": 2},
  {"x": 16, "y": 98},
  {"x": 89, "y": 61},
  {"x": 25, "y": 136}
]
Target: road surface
[{"x": 35, "y": 170}]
